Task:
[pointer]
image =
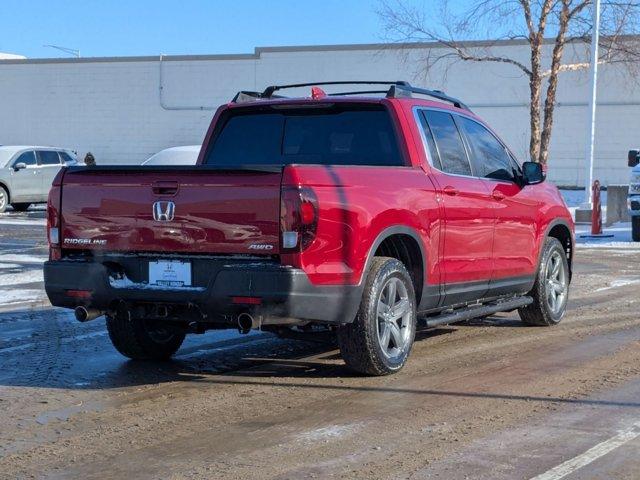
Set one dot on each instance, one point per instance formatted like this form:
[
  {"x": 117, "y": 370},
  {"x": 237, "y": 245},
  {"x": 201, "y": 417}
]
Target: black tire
[
  {"x": 20, "y": 207},
  {"x": 141, "y": 339},
  {"x": 360, "y": 341},
  {"x": 4, "y": 199},
  {"x": 635, "y": 229},
  {"x": 540, "y": 312}
]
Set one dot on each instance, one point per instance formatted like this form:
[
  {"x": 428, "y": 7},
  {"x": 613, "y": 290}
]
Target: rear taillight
[
  {"x": 53, "y": 217},
  {"x": 298, "y": 218}
]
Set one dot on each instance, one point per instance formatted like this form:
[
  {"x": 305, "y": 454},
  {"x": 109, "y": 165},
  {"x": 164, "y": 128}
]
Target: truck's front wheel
[
  {"x": 380, "y": 338},
  {"x": 551, "y": 289},
  {"x": 141, "y": 339},
  {"x": 635, "y": 229}
]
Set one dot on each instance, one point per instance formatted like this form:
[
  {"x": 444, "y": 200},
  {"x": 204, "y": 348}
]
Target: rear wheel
[
  {"x": 635, "y": 228},
  {"x": 380, "y": 338},
  {"x": 551, "y": 289},
  {"x": 141, "y": 339},
  {"x": 4, "y": 199},
  {"x": 21, "y": 207}
]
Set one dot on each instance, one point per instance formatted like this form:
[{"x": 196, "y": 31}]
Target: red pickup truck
[{"x": 361, "y": 213}]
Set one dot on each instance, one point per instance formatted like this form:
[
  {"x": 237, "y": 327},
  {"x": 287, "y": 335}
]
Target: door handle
[
  {"x": 498, "y": 195},
  {"x": 449, "y": 190}
]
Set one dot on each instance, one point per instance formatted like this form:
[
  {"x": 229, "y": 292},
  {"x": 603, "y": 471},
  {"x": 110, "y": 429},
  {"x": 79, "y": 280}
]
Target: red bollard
[{"x": 596, "y": 213}]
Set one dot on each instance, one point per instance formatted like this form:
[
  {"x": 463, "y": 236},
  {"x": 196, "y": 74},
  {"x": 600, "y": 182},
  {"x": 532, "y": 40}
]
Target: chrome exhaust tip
[
  {"x": 84, "y": 315},
  {"x": 246, "y": 323}
]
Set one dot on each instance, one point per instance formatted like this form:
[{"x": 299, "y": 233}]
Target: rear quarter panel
[{"x": 356, "y": 205}]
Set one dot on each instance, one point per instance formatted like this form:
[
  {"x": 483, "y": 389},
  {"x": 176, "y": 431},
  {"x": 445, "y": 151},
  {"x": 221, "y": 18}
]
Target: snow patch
[
  {"x": 620, "y": 282},
  {"x": 29, "y": 276},
  {"x": 26, "y": 222},
  {"x": 18, "y": 258},
  {"x": 10, "y": 297},
  {"x": 621, "y": 237},
  {"x": 326, "y": 433},
  {"x": 8, "y": 266}
]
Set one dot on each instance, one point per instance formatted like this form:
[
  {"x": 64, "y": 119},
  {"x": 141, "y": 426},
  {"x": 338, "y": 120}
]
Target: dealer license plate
[{"x": 170, "y": 273}]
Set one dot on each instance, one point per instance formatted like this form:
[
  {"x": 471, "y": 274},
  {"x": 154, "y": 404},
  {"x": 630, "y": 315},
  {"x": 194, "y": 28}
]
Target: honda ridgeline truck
[{"x": 361, "y": 213}]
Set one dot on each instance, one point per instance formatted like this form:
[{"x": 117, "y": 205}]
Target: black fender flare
[
  {"x": 411, "y": 232},
  {"x": 554, "y": 223},
  {"x": 388, "y": 232}
]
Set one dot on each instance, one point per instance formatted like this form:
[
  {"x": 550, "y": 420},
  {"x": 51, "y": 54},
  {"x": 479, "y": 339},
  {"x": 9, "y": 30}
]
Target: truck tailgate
[{"x": 172, "y": 209}]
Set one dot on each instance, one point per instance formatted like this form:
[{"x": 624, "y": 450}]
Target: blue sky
[{"x": 150, "y": 27}]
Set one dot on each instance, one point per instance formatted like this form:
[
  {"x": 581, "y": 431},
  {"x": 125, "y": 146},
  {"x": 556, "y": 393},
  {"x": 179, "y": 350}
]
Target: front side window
[
  {"x": 48, "y": 157},
  {"x": 28, "y": 158},
  {"x": 490, "y": 156},
  {"x": 448, "y": 142},
  {"x": 345, "y": 135}
]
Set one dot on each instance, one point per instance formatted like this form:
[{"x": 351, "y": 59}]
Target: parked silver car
[{"x": 26, "y": 173}]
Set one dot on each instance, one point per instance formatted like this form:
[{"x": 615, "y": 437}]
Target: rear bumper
[{"x": 284, "y": 292}]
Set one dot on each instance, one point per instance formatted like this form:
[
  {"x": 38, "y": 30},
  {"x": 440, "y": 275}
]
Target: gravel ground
[{"x": 484, "y": 399}]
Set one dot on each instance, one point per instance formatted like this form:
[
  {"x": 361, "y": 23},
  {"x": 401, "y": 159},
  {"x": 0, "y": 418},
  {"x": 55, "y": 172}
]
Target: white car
[
  {"x": 26, "y": 173},
  {"x": 186, "y": 155}
]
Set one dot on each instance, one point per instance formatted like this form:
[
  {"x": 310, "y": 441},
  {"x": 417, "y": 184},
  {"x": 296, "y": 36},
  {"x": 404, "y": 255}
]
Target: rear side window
[
  {"x": 336, "y": 136},
  {"x": 448, "y": 142},
  {"x": 431, "y": 143},
  {"x": 66, "y": 158},
  {"x": 48, "y": 157},
  {"x": 28, "y": 158},
  {"x": 490, "y": 157}
]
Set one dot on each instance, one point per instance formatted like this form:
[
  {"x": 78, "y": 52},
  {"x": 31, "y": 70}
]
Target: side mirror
[
  {"x": 634, "y": 158},
  {"x": 532, "y": 173},
  {"x": 19, "y": 166}
]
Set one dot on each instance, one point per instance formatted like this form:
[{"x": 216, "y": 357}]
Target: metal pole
[{"x": 595, "y": 37}]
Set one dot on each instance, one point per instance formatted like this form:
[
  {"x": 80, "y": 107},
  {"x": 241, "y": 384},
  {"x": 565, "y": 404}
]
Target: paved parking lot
[{"x": 484, "y": 399}]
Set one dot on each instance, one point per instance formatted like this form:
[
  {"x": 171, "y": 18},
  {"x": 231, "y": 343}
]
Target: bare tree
[{"x": 548, "y": 27}]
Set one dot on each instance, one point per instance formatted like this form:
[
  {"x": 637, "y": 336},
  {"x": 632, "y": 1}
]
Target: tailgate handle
[{"x": 165, "y": 188}]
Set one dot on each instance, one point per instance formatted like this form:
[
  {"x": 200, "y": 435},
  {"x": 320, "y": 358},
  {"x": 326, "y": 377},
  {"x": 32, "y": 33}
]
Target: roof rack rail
[
  {"x": 249, "y": 96},
  {"x": 400, "y": 91},
  {"x": 397, "y": 89},
  {"x": 268, "y": 92}
]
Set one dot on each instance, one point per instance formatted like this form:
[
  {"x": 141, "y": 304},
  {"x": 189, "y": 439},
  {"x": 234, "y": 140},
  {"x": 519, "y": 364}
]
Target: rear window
[{"x": 335, "y": 136}]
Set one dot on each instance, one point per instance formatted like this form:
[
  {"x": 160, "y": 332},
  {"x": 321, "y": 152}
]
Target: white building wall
[{"x": 113, "y": 107}]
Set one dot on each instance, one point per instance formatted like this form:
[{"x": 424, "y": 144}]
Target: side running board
[{"x": 474, "y": 312}]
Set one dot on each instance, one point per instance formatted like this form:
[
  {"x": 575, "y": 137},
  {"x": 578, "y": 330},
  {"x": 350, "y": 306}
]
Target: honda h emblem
[{"x": 163, "y": 211}]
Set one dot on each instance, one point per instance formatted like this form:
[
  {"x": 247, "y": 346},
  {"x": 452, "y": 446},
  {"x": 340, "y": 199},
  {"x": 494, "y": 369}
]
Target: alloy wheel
[
  {"x": 556, "y": 283},
  {"x": 394, "y": 313}
]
